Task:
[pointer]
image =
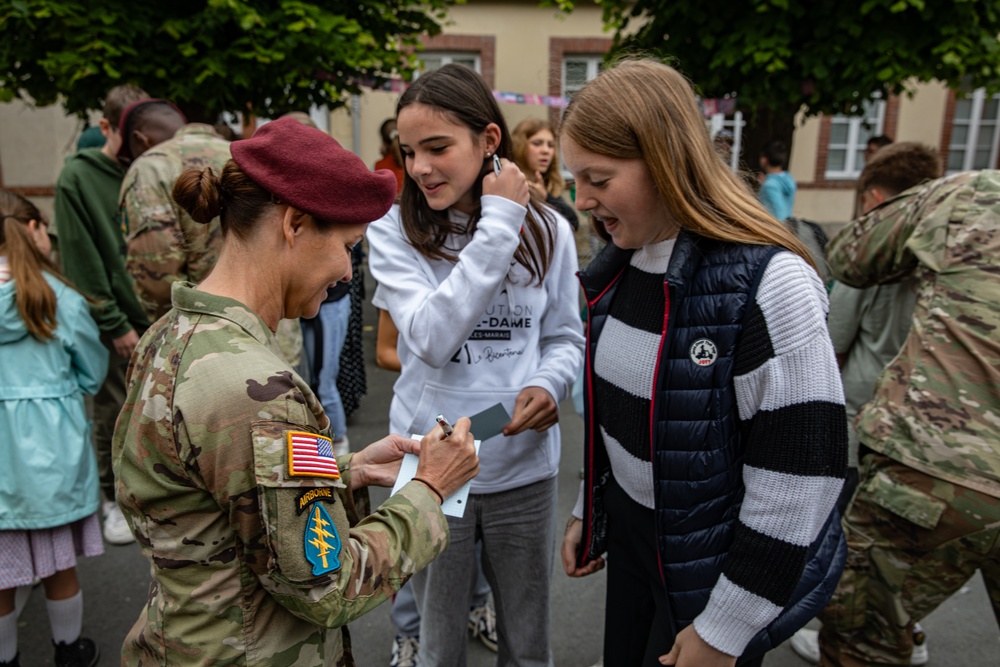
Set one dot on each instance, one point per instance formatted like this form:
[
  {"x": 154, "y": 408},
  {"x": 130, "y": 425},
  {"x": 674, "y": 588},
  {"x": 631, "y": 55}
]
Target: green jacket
[
  {"x": 91, "y": 242},
  {"x": 937, "y": 404},
  {"x": 203, "y": 472}
]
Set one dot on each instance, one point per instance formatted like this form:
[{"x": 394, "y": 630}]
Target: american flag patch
[{"x": 311, "y": 455}]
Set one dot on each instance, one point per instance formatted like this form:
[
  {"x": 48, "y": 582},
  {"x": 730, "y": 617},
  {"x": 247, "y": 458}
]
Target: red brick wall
[
  {"x": 484, "y": 45},
  {"x": 948, "y": 125},
  {"x": 33, "y": 191},
  {"x": 559, "y": 48}
]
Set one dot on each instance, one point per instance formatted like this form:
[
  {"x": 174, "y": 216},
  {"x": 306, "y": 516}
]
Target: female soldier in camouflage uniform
[{"x": 222, "y": 458}]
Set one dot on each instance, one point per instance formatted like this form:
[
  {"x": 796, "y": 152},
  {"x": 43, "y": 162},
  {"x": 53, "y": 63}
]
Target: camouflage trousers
[
  {"x": 107, "y": 403},
  {"x": 913, "y": 540}
]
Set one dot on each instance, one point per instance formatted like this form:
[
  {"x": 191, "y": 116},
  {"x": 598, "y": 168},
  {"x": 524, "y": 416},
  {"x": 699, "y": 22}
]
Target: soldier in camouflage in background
[
  {"x": 259, "y": 546},
  {"x": 926, "y": 514},
  {"x": 164, "y": 244}
]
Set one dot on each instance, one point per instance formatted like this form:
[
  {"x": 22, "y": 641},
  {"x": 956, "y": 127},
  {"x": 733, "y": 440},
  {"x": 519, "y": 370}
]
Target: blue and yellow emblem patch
[{"x": 322, "y": 543}]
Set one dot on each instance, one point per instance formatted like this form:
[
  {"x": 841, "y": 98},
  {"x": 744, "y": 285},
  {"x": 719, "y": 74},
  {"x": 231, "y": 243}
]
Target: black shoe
[
  {"x": 81, "y": 653},
  {"x": 12, "y": 663}
]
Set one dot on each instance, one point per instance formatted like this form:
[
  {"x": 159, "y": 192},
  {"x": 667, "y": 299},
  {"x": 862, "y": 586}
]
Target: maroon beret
[{"x": 308, "y": 169}]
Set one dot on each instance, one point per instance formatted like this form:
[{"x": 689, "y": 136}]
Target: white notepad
[{"x": 453, "y": 505}]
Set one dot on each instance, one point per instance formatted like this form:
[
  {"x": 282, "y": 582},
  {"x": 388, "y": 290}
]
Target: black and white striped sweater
[{"x": 786, "y": 383}]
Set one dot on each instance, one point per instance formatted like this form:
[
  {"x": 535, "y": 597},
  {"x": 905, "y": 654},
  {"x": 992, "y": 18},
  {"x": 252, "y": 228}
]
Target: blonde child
[{"x": 715, "y": 431}]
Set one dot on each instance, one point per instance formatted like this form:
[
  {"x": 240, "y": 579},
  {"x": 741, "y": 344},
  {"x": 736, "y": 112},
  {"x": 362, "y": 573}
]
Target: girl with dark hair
[
  {"x": 716, "y": 437},
  {"x": 52, "y": 355},
  {"x": 478, "y": 276}
]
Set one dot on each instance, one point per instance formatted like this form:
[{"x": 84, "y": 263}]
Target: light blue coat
[
  {"x": 48, "y": 474},
  {"x": 777, "y": 194}
]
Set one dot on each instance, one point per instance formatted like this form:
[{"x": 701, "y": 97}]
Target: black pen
[{"x": 445, "y": 425}]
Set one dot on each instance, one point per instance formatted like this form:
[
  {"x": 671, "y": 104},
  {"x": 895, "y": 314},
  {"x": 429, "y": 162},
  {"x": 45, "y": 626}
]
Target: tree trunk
[{"x": 763, "y": 125}]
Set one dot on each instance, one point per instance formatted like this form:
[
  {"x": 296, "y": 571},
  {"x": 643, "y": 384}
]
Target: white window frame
[
  {"x": 975, "y": 123},
  {"x": 448, "y": 57},
  {"x": 854, "y": 145},
  {"x": 718, "y": 122},
  {"x": 593, "y": 63}
]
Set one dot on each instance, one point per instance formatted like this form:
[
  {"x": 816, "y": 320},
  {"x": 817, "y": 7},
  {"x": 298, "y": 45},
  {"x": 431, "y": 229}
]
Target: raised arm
[{"x": 435, "y": 317}]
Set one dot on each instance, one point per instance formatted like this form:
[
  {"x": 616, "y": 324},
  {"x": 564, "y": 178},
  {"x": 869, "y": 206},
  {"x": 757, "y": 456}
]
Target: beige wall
[
  {"x": 34, "y": 141},
  {"x": 922, "y": 116},
  {"x": 802, "y": 162},
  {"x": 825, "y": 206},
  {"x": 522, "y": 32}
]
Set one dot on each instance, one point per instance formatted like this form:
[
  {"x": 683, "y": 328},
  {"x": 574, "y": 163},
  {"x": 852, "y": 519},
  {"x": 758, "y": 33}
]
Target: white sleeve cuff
[
  {"x": 732, "y": 617},
  {"x": 501, "y": 209},
  {"x": 578, "y": 507}
]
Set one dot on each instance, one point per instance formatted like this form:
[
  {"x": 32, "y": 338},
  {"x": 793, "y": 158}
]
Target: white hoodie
[{"x": 475, "y": 333}]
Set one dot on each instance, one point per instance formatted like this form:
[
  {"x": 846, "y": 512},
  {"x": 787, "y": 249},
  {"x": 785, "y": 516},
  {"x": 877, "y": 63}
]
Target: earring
[{"x": 489, "y": 155}]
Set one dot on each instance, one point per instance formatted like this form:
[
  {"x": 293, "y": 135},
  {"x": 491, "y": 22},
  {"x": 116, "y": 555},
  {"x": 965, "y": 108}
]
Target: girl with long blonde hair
[
  {"x": 536, "y": 152},
  {"x": 716, "y": 440}
]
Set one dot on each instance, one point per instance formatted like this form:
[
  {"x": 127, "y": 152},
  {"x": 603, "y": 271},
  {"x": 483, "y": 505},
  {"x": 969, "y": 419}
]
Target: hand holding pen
[
  {"x": 445, "y": 426},
  {"x": 506, "y": 180},
  {"x": 447, "y": 461}
]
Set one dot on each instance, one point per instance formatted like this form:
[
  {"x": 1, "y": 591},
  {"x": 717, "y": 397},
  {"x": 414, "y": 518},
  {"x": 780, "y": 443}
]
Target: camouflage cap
[{"x": 308, "y": 169}]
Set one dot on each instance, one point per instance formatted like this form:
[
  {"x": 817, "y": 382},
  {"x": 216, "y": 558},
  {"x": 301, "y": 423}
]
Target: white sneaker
[
  {"x": 342, "y": 446},
  {"x": 483, "y": 624},
  {"x": 116, "y": 530},
  {"x": 404, "y": 651},
  {"x": 806, "y": 644},
  {"x": 920, "y": 654}
]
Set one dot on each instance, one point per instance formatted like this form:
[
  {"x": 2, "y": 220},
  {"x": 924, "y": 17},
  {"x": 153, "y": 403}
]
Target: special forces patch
[{"x": 322, "y": 544}]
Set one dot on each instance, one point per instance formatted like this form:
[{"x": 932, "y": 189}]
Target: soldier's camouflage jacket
[
  {"x": 164, "y": 244},
  {"x": 937, "y": 404},
  {"x": 244, "y": 557}
]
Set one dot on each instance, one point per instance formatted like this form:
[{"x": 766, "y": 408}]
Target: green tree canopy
[
  {"x": 779, "y": 56},
  {"x": 213, "y": 55}
]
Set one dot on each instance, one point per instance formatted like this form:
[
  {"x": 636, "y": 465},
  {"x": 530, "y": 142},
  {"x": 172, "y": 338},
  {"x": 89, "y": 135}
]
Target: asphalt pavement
[{"x": 962, "y": 631}]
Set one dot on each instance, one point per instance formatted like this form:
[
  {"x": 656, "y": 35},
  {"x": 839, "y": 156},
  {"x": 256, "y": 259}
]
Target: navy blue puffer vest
[{"x": 698, "y": 443}]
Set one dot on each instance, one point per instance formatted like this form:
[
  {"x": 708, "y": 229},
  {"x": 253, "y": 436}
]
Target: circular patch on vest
[{"x": 704, "y": 352}]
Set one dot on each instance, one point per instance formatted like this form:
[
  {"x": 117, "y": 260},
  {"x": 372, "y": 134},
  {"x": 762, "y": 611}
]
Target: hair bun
[{"x": 198, "y": 191}]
